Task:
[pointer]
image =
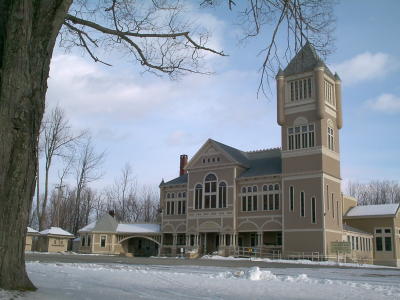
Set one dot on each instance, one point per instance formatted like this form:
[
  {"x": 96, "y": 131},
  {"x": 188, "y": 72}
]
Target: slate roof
[
  {"x": 257, "y": 163},
  {"x": 106, "y": 223},
  {"x": 380, "y": 210},
  {"x": 178, "y": 180},
  {"x": 304, "y": 61},
  {"x": 266, "y": 162},
  {"x": 349, "y": 228}
]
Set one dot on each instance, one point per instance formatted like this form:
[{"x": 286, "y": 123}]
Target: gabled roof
[
  {"x": 88, "y": 227},
  {"x": 178, "y": 180},
  {"x": 256, "y": 163},
  {"x": 238, "y": 155},
  {"x": 105, "y": 224},
  {"x": 138, "y": 228},
  {"x": 55, "y": 231},
  {"x": 380, "y": 210},
  {"x": 304, "y": 61}
]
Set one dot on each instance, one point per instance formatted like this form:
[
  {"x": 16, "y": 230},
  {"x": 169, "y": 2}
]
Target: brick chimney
[
  {"x": 183, "y": 163},
  {"x": 111, "y": 213}
]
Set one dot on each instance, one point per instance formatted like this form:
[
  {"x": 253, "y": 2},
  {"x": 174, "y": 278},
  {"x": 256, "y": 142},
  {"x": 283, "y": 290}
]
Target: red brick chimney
[{"x": 183, "y": 163}]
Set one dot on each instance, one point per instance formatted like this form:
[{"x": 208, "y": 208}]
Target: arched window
[
  {"x": 244, "y": 190},
  {"x": 179, "y": 195},
  {"x": 210, "y": 191},
  {"x": 254, "y": 189},
  {"x": 265, "y": 188},
  {"x": 276, "y": 187},
  {"x": 222, "y": 195},
  {"x": 173, "y": 195},
  {"x": 184, "y": 194},
  {"x": 168, "y": 196},
  {"x": 198, "y": 197}
]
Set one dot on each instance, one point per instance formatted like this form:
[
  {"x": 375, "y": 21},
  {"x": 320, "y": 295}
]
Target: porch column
[
  {"x": 260, "y": 241},
  {"x": 187, "y": 242}
]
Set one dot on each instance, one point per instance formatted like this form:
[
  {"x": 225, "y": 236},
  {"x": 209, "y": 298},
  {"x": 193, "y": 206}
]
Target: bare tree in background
[
  {"x": 155, "y": 34},
  {"x": 121, "y": 196},
  {"x": 87, "y": 169},
  {"x": 374, "y": 192},
  {"x": 57, "y": 141},
  {"x": 150, "y": 202},
  {"x": 275, "y": 21}
]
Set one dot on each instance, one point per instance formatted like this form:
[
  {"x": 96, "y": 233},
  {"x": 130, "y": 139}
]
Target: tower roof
[{"x": 304, "y": 61}]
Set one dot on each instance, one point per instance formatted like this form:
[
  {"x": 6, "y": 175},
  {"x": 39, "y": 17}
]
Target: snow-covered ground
[{"x": 113, "y": 281}]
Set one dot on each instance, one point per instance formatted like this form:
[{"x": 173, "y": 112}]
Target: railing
[{"x": 259, "y": 252}]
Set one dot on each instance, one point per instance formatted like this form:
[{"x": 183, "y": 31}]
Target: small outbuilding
[
  {"x": 54, "y": 239},
  {"x": 31, "y": 238}
]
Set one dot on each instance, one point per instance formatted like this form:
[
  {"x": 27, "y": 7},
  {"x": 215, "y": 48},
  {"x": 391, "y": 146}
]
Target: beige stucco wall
[
  {"x": 53, "y": 243},
  {"x": 369, "y": 225}
]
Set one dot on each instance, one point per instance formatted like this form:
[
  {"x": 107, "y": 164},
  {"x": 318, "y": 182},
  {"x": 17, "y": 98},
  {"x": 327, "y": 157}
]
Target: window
[
  {"x": 173, "y": 195},
  {"x": 333, "y": 207},
  {"x": 89, "y": 240},
  {"x": 300, "y": 89},
  {"x": 291, "y": 197},
  {"x": 198, "y": 197},
  {"x": 181, "y": 207},
  {"x": 329, "y": 95},
  {"x": 331, "y": 141},
  {"x": 313, "y": 211},
  {"x": 249, "y": 201},
  {"x": 302, "y": 214},
  {"x": 271, "y": 197},
  {"x": 327, "y": 197},
  {"x": 83, "y": 241},
  {"x": 210, "y": 191},
  {"x": 168, "y": 195},
  {"x": 300, "y": 137},
  {"x": 103, "y": 241},
  {"x": 222, "y": 195},
  {"x": 383, "y": 239}
]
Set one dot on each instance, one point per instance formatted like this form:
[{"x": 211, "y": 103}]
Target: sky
[{"x": 148, "y": 121}]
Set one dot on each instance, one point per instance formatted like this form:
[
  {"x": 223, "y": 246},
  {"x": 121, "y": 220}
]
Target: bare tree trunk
[{"x": 28, "y": 31}]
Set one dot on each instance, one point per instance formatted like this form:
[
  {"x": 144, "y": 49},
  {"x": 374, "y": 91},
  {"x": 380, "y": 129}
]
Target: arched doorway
[{"x": 140, "y": 246}]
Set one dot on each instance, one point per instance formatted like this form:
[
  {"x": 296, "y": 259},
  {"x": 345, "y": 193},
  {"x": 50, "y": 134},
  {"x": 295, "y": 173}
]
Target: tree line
[
  {"x": 374, "y": 192},
  {"x": 72, "y": 202}
]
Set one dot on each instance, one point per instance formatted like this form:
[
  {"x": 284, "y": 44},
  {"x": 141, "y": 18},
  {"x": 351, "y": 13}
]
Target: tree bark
[{"x": 28, "y": 31}]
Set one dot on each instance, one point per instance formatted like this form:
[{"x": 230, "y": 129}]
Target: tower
[{"x": 310, "y": 115}]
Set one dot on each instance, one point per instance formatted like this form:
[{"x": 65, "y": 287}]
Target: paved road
[{"x": 76, "y": 258}]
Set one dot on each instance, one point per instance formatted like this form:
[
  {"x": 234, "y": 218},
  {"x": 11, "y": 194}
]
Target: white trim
[
  {"x": 329, "y": 177},
  {"x": 297, "y": 177},
  {"x": 302, "y": 152},
  {"x": 329, "y": 110},
  {"x": 305, "y": 230},
  {"x": 300, "y": 108}
]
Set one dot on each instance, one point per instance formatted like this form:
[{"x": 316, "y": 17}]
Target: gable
[{"x": 212, "y": 153}]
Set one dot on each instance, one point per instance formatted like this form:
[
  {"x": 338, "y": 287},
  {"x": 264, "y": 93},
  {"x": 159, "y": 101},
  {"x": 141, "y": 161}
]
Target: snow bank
[{"x": 298, "y": 261}]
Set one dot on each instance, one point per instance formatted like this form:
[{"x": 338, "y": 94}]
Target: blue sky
[{"x": 148, "y": 121}]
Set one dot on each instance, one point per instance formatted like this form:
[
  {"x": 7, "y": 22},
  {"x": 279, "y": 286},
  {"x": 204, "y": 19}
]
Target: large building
[
  {"x": 282, "y": 202},
  {"x": 285, "y": 200}
]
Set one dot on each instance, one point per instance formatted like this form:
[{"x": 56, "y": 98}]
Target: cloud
[
  {"x": 366, "y": 66},
  {"x": 386, "y": 103}
]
